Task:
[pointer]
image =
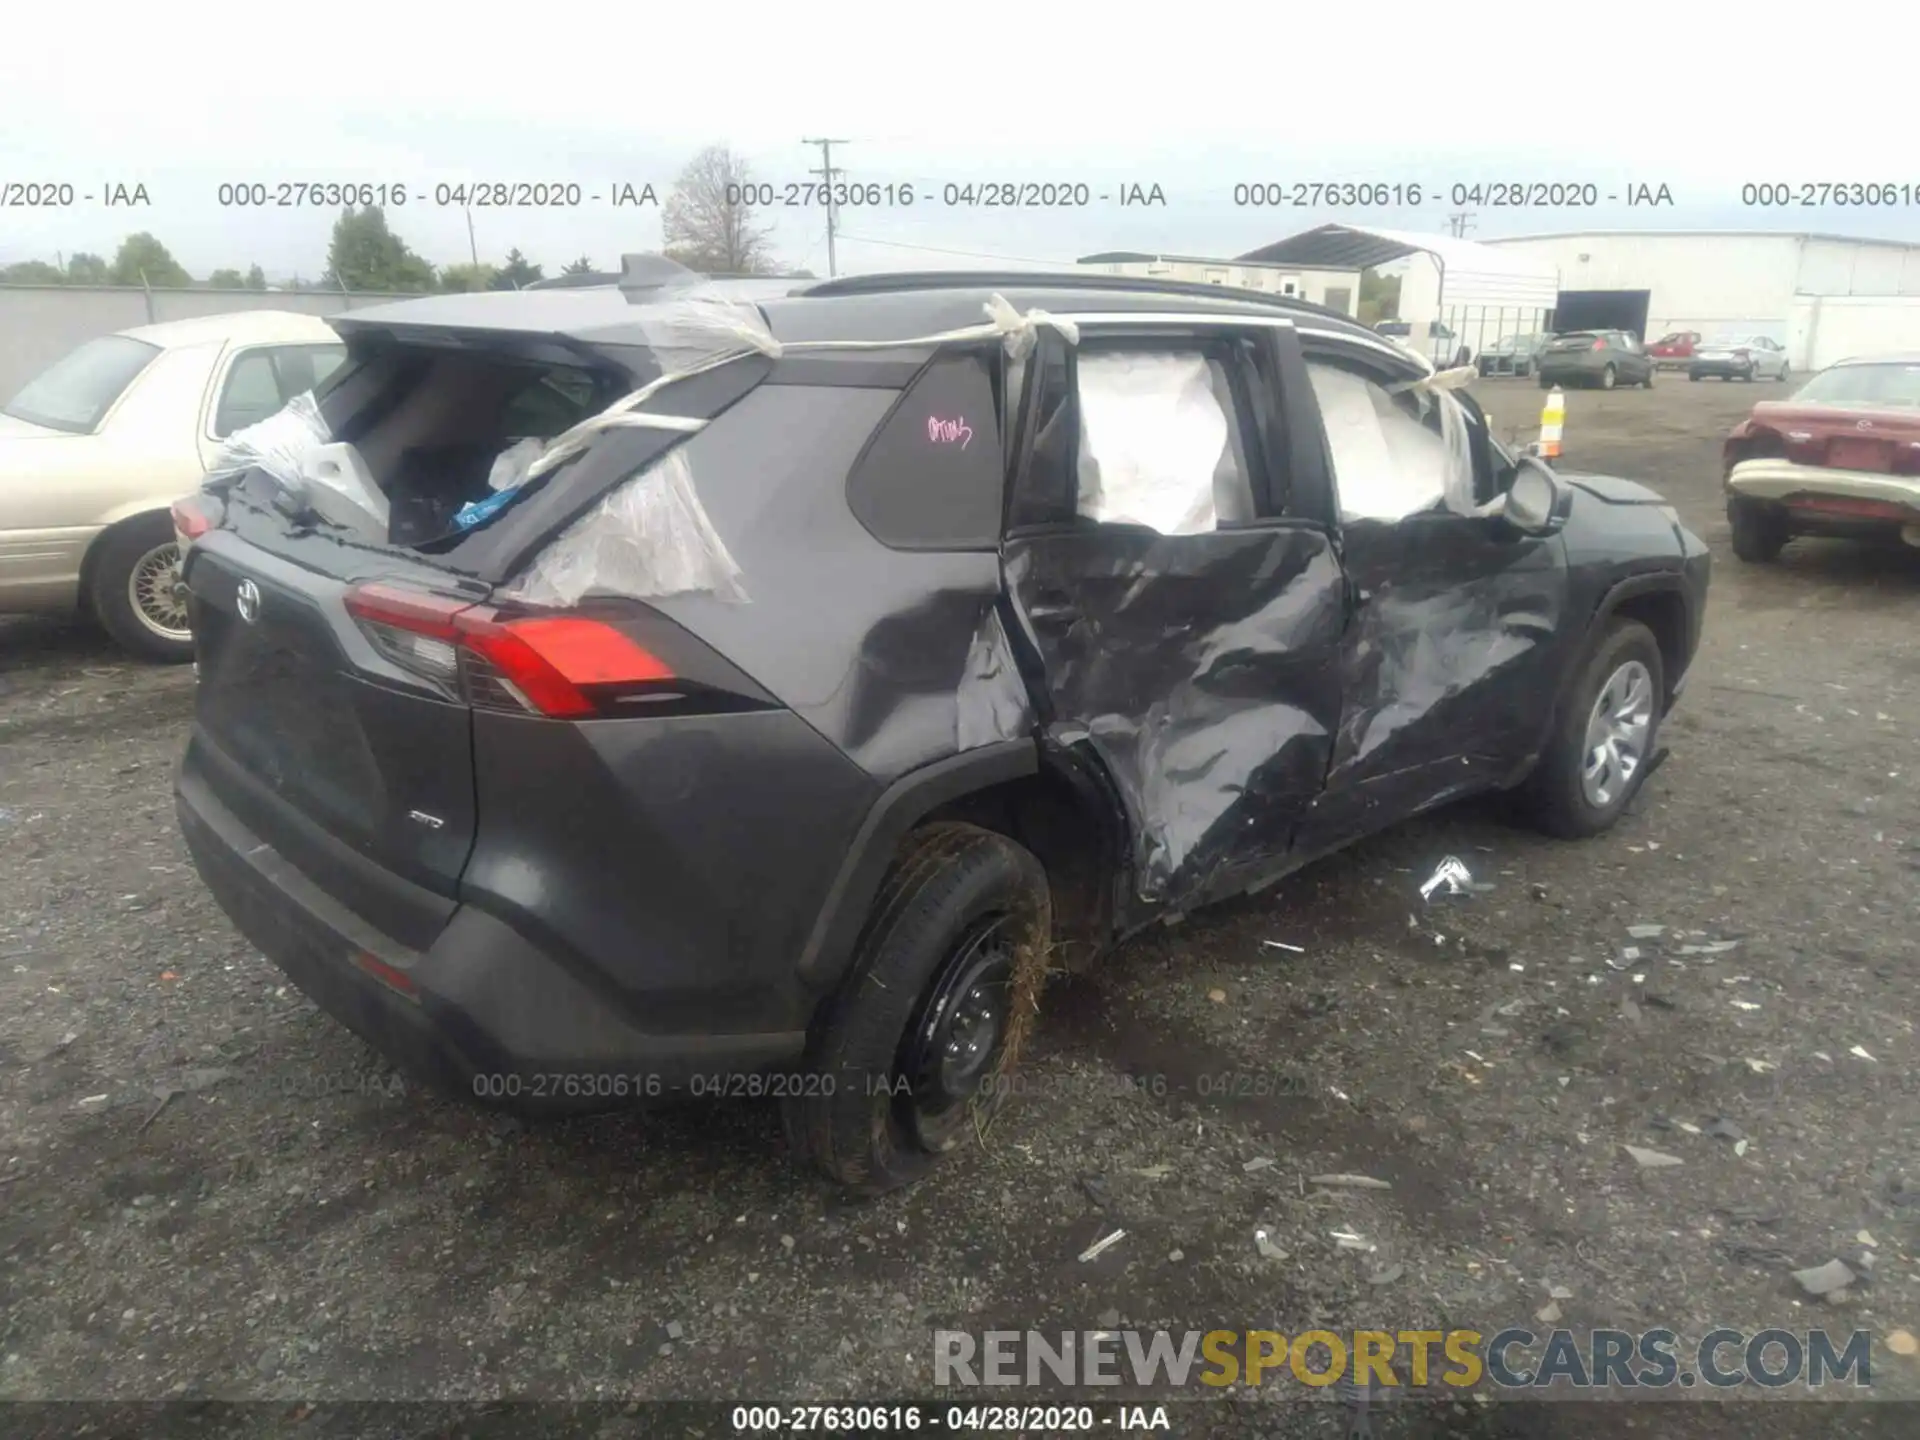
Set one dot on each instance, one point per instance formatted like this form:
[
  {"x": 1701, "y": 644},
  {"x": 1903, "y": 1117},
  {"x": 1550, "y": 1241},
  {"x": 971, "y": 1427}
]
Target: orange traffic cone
[{"x": 1553, "y": 420}]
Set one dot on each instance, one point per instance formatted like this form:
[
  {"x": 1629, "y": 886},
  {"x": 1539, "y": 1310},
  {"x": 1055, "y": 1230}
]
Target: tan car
[{"x": 95, "y": 449}]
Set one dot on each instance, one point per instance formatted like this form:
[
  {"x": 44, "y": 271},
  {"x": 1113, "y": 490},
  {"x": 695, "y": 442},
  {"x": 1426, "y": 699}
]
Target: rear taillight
[
  {"x": 1599, "y": 345},
  {"x": 191, "y": 519},
  {"x": 561, "y": 666}
]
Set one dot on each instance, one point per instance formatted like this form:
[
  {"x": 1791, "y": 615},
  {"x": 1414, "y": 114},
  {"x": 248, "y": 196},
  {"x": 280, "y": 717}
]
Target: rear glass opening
[{"x": 429, "y": 424}]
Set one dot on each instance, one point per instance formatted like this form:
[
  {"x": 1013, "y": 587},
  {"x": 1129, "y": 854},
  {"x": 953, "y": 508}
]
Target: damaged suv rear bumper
[{"x": 481, "y": 1013}]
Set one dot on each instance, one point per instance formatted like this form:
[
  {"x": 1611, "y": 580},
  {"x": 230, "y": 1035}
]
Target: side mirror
[{"x": 1537, "y": 501}]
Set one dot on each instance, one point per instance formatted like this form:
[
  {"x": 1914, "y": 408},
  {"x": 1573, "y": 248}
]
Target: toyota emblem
[
  {"x": 247, "y": 601},
  {"x": 1863, "y": 424}
]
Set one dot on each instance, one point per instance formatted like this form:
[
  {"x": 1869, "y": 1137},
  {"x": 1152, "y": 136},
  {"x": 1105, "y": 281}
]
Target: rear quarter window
[{"x": 931, "y": 477}]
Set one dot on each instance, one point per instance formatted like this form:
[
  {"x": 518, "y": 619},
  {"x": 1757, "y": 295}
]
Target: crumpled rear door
[{"x": 1196, "y": 660}]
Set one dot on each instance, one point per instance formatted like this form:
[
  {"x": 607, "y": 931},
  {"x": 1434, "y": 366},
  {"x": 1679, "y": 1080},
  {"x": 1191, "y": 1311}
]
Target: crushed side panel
[{"x": 1199, "y": 669}]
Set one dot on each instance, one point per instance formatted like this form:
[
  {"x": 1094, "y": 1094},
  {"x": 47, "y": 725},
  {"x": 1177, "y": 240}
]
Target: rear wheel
[
  {"x": 137, "y": 593},
  {"x": 1545, "y": 383},
  {"x": 1647, "y": 384},
  {"x": 1759, "y": 533},
  {"x": 1603, "y": 738},
  {"x": 1693, "y": 375},
  {"x": 1607, "y": 378},
  {"x": 916, "y": 1050}
]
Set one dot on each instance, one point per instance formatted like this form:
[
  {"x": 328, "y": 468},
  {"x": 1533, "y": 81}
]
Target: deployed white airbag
[{"x": 1152, "y": 434}]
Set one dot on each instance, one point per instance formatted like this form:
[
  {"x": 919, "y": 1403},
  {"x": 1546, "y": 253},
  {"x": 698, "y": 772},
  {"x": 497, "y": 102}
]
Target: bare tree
[{"x": 708, "y": 219}]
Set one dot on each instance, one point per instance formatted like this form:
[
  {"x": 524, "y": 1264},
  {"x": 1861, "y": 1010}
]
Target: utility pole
[
  {"x": 473, "y": 250},
  {"x": 1461, "y": 221},
  {"x": 826, "y": 172}
]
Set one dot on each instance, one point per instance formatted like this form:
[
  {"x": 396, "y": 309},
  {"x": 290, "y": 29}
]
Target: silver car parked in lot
[{"x": 1739, "y": 357}]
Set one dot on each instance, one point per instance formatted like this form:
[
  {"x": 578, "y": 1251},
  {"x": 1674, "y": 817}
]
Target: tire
[
  {"x": 1545, "y": 383},
  {"x": 1784, "y": 368},
  {"x": 136, "y": 557},
  {"x": 1759, "y": 534},
  {"x": 1608, "y": 378},
  {"x": 1693, "y": 376},
  {"x": 1624, "y": 664},
  {"x": 1647, "y": 384},
  {"x": 950, "y": 885},
  {"x": 1746, "y": 377}
]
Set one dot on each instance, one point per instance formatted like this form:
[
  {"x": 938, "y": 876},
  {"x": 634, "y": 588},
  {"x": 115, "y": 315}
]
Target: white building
[
  {"x": 1336, "y": 288},
  {"x": 1472, "y": 294},
  {"x": 1824, "y": 297}
]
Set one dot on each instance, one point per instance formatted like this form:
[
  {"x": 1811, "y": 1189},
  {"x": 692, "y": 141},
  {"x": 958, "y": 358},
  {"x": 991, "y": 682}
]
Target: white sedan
[{"x": 95, "y": 450}]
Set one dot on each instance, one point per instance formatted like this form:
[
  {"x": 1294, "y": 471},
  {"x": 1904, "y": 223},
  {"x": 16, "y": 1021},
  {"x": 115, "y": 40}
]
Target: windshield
[
  {"x": 1576, "y": 337},
  {"x": 1731, "y": 342},
  {"x": 1867, "y": 385},
  {"x": 1394, "y": 327},
  {"x": 76, "y": 393}
]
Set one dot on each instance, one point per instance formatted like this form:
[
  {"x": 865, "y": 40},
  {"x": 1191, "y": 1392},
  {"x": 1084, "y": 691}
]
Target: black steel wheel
[
  {"x": 917, "y": 1050},
  {"x": 958, "y": 1034}
]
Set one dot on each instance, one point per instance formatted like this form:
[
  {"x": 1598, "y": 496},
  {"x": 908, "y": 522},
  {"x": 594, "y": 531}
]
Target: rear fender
[{"x": 901, "y": 806}]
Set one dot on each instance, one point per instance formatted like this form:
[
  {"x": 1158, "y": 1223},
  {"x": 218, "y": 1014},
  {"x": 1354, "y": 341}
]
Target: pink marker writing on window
[{"x": 949, "y": 432}]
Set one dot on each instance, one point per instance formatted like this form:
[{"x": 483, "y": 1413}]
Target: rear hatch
[
  {"x": 1573, "y": 343},
  {"x": 339, "y": 671},
  {"x": 322, "y": 747}
]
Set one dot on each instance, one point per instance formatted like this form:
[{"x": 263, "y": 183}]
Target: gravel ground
[{"x": 296, "y": 1223}]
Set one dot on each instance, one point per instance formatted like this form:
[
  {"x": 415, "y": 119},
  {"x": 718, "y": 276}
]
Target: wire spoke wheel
[{"x": 158, "y": 594}]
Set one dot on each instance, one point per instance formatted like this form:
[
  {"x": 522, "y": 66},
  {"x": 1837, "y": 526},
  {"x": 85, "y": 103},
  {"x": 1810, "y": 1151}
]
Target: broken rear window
[{"x": 426, "y": 428}]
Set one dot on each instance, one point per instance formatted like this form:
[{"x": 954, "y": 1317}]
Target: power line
[
  {"x": 1461, "y": 221},
  {"x": 826, "y": 172}
]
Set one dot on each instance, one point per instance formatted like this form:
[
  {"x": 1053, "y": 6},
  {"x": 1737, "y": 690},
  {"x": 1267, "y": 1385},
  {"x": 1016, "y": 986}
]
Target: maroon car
[
  {"x": 1674, "y": 349},
  {"x": 1840, "y": 457}
]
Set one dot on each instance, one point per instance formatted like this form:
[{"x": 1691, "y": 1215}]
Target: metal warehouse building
[
  {"x": 1824, "y": 297},
  {"x": 1337, "y": 287}
]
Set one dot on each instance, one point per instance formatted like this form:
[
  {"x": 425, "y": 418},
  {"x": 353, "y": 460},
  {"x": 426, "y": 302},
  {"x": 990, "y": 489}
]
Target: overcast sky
[{"x": 1694, "y": 97}]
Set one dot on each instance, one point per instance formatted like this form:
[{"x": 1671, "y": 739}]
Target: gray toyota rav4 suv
[{"x": 689, "y": 693}]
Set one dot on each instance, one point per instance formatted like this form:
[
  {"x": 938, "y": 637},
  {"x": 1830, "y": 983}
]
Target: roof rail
[{"x": 891, "y": 282}]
